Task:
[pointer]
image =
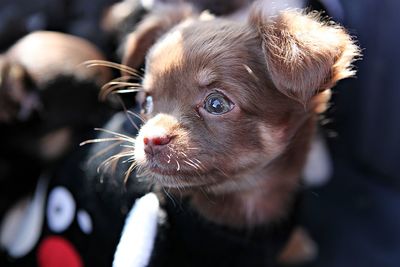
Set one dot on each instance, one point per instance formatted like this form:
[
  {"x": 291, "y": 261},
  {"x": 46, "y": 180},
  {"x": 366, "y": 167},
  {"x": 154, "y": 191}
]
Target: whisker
[
  {"x": 103, "y": 151},
  {"x": 112, "y": 160},
  {"x": 168, "y": 194},
  {"x": 99, "y": 140},
  {"x": 104, "y": 63},
  {"x": 108, "y": 161},
  {"x": 131, "y": 159},
  {"x": 222, "y": 171},
  {"x": 199, "y": 166},
  {"x": 129, "y": 171},
  {"x": 113, "y": 166},
  {"x": 115, "y": 89},
  {"x": 191, "y": 164},
  {"x": 136, "y": 115},
  {"x": 125, "y": 137},
  {"x": 127, "y": 114},
  {"x": 121, "y": 80},
  {"x": 137, "y": 85},
  {"x": 127, "y": 91},
  {"x": 198, "y": 163},
  {"x": 197, "y": 160}
]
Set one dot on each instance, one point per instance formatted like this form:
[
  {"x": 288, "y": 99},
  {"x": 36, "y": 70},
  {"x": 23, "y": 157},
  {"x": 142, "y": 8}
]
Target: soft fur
[
  {"x": 37, "y": 60},
  {"x": 240, "y": 168}
]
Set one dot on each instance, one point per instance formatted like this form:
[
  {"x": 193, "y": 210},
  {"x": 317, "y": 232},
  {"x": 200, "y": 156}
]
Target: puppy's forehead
[
  {"x": 199, "y": 51},
  {"x": 166, "y": 54}
]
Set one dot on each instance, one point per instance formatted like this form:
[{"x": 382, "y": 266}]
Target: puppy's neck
[{"x": 265, "y": 195}]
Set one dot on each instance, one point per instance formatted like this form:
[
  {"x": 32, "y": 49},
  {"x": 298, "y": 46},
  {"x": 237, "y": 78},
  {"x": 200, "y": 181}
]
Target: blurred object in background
[
  {"x": 77, "y": 17},
  {"x": 49, "y": 104},
  {"x": 121, "y": 18},
  {"x": 355, "y": 218},
  {"x": 75, "y": 216},
  {"x": 368, "y": 115},
  {"x": 48, "y": 55}
]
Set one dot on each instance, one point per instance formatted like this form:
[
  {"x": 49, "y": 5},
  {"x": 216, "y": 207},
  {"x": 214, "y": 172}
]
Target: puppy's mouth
[
  {"x": 173, "y": 177},
  {"x": 173, "y": 172},
  {"x": 165, "y": 171},
  {"x": 167, "y": 166}
]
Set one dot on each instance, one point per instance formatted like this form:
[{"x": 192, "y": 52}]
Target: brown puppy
[
  {"x": 37, "y": 60},
  {"x": 231, "y": 109}
]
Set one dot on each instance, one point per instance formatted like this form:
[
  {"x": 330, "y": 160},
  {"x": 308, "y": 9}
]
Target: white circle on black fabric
[
  {"x": 60, "y": 209},
  {"x": 84, "y": 221}
]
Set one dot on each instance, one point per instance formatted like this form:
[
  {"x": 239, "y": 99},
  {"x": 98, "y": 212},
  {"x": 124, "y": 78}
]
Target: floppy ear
[
  {"x": 304, "y": 55},
  {"x": 153, "y": 26},
  {"x": 18, "y": 96}
]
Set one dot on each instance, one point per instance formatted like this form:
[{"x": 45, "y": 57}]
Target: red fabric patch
[{"x": 55, "y": 251}]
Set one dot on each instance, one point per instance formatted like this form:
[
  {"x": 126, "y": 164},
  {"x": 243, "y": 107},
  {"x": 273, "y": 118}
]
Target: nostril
[
  {"x": 161, "y": 140},
  {"x": 146, "y": 140},
  {"x": 153, "y": 145},
  {"x": 156, "y": 141}
]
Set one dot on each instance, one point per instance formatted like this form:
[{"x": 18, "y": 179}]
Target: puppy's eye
[
  {"x": 147, "y": 105},
  {"x": 217, "y": 104}
]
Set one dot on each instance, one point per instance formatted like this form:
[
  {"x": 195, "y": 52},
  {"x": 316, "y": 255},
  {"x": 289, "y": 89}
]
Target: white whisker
[
  {"x": 126, "y": 91},
  {"x": 103, "y": 151},
  {"x": 104, "y": 63},
  {"x": 99, "y": 140},
  {"x": 178, "y": 166},
  {"x": 125, "y": 137},
  {"x": 190, "y": 164},
  {"x": 129, "y": 171},
  {"x": 136, "y": 115}
]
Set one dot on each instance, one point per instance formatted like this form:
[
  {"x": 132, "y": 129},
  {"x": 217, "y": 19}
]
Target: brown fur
[
  {"x": 162, "y": 17},
  {"x": 303, "y": 54},
  {"x": 16, "y": 91},
  {"x": 153, "y": 26},
  {"x": 41, "y": 53},
  {"x": 37, "y": 60},
  {"x": 240, "y": 168}
]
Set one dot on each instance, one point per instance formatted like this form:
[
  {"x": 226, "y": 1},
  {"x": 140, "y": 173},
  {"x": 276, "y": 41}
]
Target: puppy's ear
[
  {"x": 304, "y": 55},
  {"x": 153, "y": 26}
]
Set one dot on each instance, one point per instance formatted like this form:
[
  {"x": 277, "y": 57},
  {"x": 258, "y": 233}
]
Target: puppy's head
[{"x": 224, "y": 100}]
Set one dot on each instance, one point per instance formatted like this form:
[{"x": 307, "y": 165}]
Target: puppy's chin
[{"x": 172, "y": 177}]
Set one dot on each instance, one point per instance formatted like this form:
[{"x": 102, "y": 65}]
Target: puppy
[{"x": 230, "y": 110}]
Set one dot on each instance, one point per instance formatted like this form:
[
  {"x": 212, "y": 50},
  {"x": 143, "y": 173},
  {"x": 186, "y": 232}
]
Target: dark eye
[
  {"x": 217, "y": 104},
  {"x": 147, "y": 106}
]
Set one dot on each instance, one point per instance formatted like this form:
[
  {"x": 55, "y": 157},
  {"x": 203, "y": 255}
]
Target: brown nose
[{"x": 153, "y": 145}]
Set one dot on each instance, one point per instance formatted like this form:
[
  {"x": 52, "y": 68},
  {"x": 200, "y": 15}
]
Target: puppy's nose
[{"x": 153, "y": 145}]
